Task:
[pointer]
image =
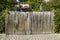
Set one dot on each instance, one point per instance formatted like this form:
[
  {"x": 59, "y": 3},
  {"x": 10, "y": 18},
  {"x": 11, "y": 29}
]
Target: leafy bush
[
  {"x": 57, "y": 21},
  {"x": 2, "y": 24},
  {"x": 35, "y": 4},
  {"x": 46, "y": 6},
  {"x": 4, "y": 4}
]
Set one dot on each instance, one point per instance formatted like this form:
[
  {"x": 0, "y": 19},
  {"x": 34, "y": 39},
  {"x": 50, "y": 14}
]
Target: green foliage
[
  {"x": 4, "y": 4},
  {"x": 35, "y": 4},
  {"x": 57, "y": 21},
  {"x": 2, "y": 25},
  {"x": 46, "y": 6},
  {"x": 23, "y": 0},
  {"x": 56, "y": 6}
]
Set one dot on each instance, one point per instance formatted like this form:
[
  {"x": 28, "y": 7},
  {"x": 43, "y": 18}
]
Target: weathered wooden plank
[{"x": 29, "y": 22}]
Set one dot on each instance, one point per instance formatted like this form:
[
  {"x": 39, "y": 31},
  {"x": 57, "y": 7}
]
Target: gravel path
[{"x": 30, "y": 37}]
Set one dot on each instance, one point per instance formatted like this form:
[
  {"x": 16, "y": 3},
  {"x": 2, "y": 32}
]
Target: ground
[{"x": 30, "y": 37}]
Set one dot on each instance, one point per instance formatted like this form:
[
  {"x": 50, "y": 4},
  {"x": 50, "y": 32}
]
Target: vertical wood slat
[
  {"x": 29, "y": 22},
  {"x": 6, "y": 19}
]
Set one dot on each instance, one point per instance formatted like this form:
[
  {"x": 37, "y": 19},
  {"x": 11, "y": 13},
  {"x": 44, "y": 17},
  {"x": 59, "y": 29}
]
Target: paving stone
[{"x": 31, "y": 37}]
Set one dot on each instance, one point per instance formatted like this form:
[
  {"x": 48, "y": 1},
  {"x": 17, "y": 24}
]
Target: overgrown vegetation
[
  {"x": 35, "y": 4},
  {"x": 1, "y": 23},
  {"x": 56, "y": 6},
  {"x": 57, "y": 21},
  {"x": 4, "y": 4}
]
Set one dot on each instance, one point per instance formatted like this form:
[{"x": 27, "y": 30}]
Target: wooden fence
[{"x": 29, "y": 22}]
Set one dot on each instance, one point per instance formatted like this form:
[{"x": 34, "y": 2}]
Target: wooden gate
[{"x": 29, "y": 22}]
